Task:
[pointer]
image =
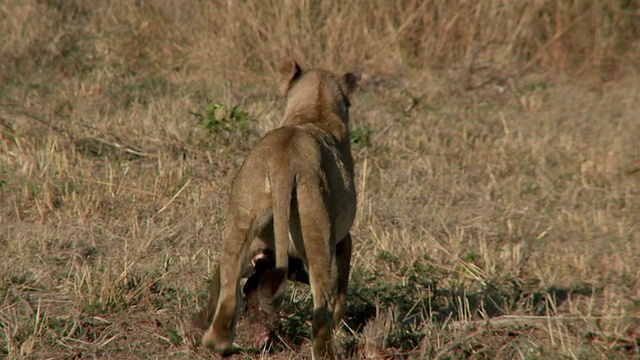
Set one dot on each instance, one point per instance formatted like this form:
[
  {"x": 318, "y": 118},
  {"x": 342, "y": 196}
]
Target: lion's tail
[{"x": 283, "y": 182}]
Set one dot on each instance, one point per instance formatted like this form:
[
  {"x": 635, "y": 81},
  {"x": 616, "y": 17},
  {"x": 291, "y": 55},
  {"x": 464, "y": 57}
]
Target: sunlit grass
[{"x": 496, "y": 148}]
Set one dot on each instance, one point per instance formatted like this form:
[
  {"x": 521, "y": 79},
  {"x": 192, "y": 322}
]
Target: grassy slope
[{"x": 495, "y": 182}]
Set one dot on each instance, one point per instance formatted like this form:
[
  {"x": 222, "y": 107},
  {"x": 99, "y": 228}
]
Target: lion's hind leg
[
  {"x": 323, "y": 269},
  {"x": 343, "y": 258}
]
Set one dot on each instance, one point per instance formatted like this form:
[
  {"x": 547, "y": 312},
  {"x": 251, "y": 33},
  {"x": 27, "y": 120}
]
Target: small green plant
[
  {"x": 533, "y": 86},
  {"x": 405, "y": 338},
  {"x": 223, "y": 123},
  {"x": 174, "y": 335},
  {"x": 219, "y": 119},
  {"x": 361, "y": 136},
  {"x": 93, "y": 308}
]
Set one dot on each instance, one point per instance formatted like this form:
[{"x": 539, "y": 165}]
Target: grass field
[{"x": 497, "y": 147}]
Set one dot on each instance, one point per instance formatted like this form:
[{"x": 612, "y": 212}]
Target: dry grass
[{"x": 498, "y": 162}]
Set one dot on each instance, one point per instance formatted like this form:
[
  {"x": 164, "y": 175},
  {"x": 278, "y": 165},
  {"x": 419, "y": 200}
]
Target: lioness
[{"x": 293, "y": 195}]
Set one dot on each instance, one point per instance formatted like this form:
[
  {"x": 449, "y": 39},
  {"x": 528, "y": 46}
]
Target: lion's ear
[
  {"x": 288, "y": 71},
  {"x": 350, "y": 82}
]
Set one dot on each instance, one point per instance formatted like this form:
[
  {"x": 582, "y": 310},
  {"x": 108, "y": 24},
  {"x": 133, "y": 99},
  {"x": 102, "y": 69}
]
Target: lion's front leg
[{"x": 221, "y": 333}]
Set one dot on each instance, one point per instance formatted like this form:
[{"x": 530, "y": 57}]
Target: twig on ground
[{"x": 97, "y": 145}]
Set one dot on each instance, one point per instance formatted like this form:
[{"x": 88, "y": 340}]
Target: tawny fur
[{"x": 294, "y": 194}]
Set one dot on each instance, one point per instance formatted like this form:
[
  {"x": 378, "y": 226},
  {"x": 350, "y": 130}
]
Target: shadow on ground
[{"x": 408, "y": 309}]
